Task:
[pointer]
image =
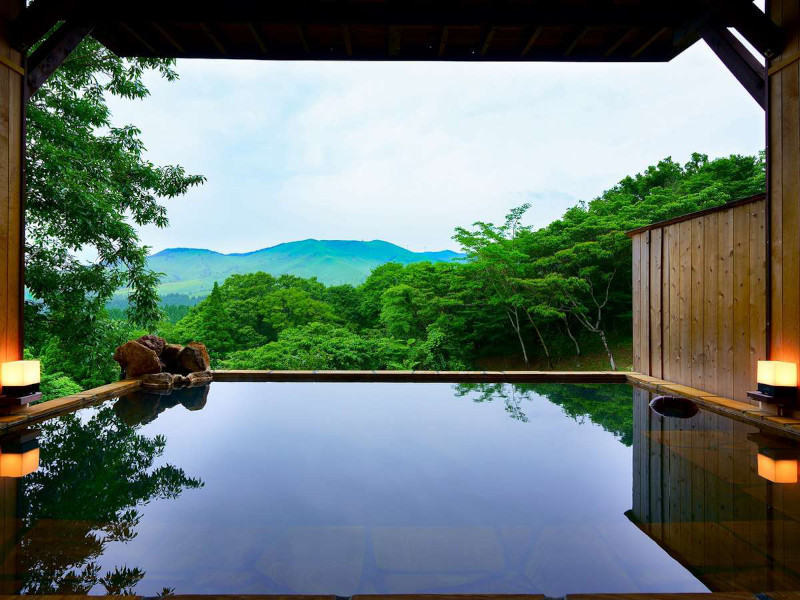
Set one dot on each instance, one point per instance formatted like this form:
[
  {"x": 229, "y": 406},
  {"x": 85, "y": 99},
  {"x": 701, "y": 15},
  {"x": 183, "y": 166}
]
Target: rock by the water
[
  {"x": 191, "y": 360},
  {"x": 199, "y": 378},
  {"x": 137, "y": 360},
  {"x": 204, "y": 351},
  {"x": 155, "y": 343},
  {"x": 157, "y": 380},
  {"x": 179, "y": 380}
]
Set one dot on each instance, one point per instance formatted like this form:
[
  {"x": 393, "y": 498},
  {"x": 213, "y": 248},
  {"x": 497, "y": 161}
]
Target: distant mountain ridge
[{"x": 193, "y": 271}]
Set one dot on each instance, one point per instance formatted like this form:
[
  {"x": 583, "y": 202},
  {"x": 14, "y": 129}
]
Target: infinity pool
[{"x": 334, "y": 488}]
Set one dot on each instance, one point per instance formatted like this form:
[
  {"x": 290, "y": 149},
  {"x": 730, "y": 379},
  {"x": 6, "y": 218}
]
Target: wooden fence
[{"x": 700, "y": 298}]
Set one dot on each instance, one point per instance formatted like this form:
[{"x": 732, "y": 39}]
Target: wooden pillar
[
  {"x": 12, "y": 118},
  {"x": 783, "y": 151}
]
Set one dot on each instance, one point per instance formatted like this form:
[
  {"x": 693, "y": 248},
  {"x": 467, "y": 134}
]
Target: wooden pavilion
[{"x": 764, "y": 300}]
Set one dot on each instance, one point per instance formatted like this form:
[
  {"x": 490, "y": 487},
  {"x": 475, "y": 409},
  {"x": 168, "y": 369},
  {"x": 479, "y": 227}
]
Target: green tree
[{"x": 88, "y": 188}]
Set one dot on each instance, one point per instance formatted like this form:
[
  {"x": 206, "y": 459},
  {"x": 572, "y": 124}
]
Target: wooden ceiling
[{"x": 471, "y": 30}]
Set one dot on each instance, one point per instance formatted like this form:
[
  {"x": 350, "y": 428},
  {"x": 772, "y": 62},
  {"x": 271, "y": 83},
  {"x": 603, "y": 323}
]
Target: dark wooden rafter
[
  {"x": 169, "y": 37},
  {"x": 303, "y": 41},
  {"x": 393, "y": 35},
  {"x": 52, "y": 53},
  {"x": 649, "y": 42},
  {"x": 258, "y": 38},
  {"x": 531, "y": 41},
  {"x": 214, "y": 35},
  {"x": 575, "y": 41},
  {"x": 443, "y": 40},
  {"x": 140, "y": 38},
  {"x": 740, "y": 61},
  {"x": 487, "y": 40},
  {"x": 754, "y": 26},
  {"x": 348, "y": 40},
  {"x": 365, "y": 13},
  {"x": 620, "y": 40}
]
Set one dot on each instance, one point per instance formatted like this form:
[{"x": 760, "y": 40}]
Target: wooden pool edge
[
  {"x": 532, "y": 596},
  {"x": 729, "y": 407}
]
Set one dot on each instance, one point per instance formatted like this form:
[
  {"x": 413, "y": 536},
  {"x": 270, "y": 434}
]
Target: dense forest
[
  {"x": 537, "y": 295},
  {"x": 521, "y": 296}
]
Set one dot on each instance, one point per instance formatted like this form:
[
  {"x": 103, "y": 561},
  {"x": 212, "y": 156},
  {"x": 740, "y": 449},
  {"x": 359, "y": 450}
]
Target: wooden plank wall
[
  {"x": 697, "y": 493},
  {"x": 699, "y": 300},
  {"x": 11, "y": 211},
  {"x": 783, "y": 148}
]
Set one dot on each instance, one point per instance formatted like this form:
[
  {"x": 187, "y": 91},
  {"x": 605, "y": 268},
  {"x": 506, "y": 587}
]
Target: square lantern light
[
  {"x": 20, "y": 381},
  {"x": 777, "y": 384}
]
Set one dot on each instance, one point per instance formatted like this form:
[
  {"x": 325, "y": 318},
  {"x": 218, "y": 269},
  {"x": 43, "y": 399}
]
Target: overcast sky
[{"x": 405, "y": 152}]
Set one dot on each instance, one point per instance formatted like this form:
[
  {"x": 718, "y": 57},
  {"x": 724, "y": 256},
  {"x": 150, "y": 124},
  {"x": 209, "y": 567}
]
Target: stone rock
[
  {"x": 137, "y": 360},
  {"x": 197, "y": 378},
  {"x": 169, "y": 356},
  {"x": 191, "y": 360},
  {"x": 204, "y": 351},
  {"x": 179, "y": 380},
  {"x": 157, "y": 380},
  {"x": 155, "y": 343}
]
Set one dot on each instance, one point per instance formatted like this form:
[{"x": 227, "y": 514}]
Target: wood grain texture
[
  {"x": 11, "y": 157},
  {"x": 705, "y": 300}
]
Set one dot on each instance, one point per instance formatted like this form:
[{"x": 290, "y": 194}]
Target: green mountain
[{"x": 193, "y": 271}]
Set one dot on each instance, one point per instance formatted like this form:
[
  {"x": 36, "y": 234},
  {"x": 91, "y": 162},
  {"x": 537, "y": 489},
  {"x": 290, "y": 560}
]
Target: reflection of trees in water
[
  {"x": 93, "y": 475},
  {"x": 607, "y": 405}
]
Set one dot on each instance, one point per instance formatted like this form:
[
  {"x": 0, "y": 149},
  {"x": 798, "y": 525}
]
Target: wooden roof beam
[
  {"x": 657, "y": 13},
  {"x": 443, "y": 41},
  {"x": 213, "y": 34},
  {"x": 755, "y": 26},
  {"x": 531, "y": 41},
  {"x": 52, "y": 53},
  {"x": 740, "y": 61},
  {"x": 262, "y": 46},
  {"x": 348, "y": 41},
  {"x": 303, "y": 41},
  {"x": 620, "y": 40},
  {"x": 648, "y": 42},
  {"x": 487, "y": 40},
  {"x": 393, "y": 36},
  {"x": 139, "y": 38},
  {"x": 166, "y": 35},
  {"x": 575, "y": 41}
]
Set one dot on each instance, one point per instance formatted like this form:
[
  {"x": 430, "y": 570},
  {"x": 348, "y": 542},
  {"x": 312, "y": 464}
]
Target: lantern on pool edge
[
  {"x": 20, "y": 380},
  {"x": 777, "y": 384}
]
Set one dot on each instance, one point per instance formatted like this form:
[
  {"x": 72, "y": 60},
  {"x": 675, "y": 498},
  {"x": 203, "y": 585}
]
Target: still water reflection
[{"x": 389, "y": 488}]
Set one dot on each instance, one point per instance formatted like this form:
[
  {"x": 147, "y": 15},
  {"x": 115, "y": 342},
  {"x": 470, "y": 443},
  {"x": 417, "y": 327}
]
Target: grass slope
[{"x": 193, "y": 271}]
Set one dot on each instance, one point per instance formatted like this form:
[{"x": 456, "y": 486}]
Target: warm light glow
[
  {"x": 21, "y": 373},
  {"x": 777, "y": 471},
  {"x": 777, "y": 373},
  {"x": 19, "y": 465}
]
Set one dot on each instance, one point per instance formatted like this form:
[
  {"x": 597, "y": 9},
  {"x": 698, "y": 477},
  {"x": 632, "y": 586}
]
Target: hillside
[{"x": 193, "y": 271}]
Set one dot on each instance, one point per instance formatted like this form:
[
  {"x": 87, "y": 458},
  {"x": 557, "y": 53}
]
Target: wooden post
[
  {"x": 783, "y": 151},
  {"x": 12, "y": 144}
]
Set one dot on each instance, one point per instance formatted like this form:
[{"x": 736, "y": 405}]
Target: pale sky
[{"x": 405, "y": 152}]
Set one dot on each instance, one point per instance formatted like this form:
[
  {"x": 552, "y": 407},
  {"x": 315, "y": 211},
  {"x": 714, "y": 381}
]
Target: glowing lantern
[
  {"x": 20, "y": 376},
  {"x": 774, "y": 374}
]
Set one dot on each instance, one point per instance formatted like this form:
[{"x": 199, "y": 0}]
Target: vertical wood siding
[
  {"x": 11, "y": 216},
  {"x": 699, "y": 300},
  {"x": 783, "y": 144}
]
